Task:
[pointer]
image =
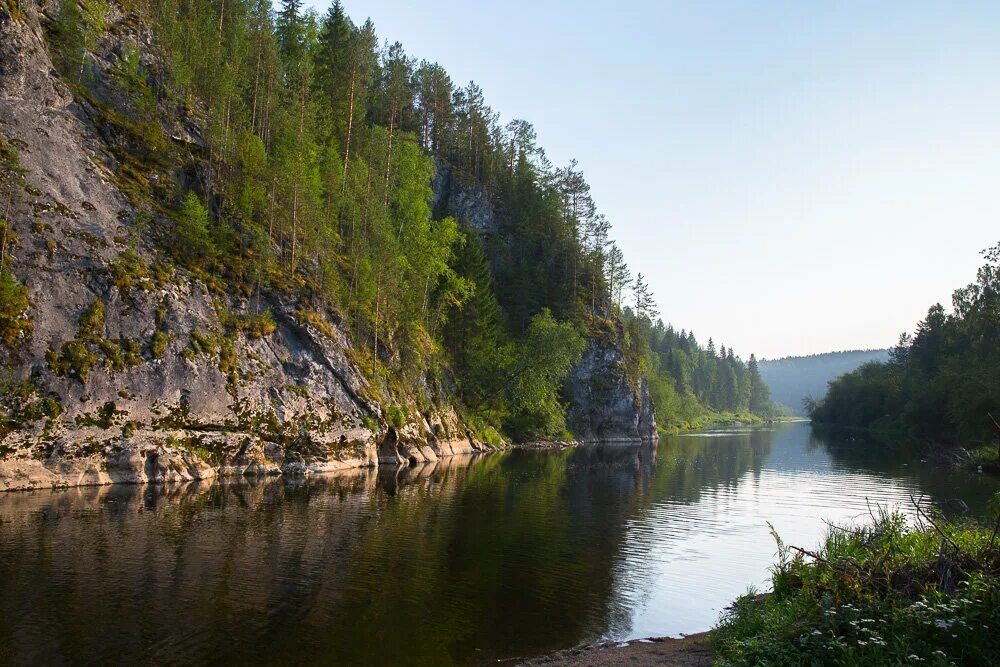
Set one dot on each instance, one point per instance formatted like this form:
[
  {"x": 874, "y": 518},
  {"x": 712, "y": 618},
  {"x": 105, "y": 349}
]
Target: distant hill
[{"x": 791, "y": 379}]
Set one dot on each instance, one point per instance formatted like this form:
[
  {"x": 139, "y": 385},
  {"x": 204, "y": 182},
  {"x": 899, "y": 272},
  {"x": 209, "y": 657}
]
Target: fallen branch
[{"x": 936, "y": 527}]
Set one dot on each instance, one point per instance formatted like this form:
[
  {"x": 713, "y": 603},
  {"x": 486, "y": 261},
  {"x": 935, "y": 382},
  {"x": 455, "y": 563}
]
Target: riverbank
[
  {"x": 183, "y": 456},
  {"x": 977, "y": 457},
  {"x": 890, "y": 592},
  {"x": 893, "y": 591},
  {"x": 177, "y": 457},
  {"x": 717, "y": 420},
  {"x": 689, "y": 651}
]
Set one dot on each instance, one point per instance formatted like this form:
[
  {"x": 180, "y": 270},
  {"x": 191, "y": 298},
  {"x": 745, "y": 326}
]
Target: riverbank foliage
[
  {"x": 888, "y": 593},
  {"x": 693, "y": 386},
  {"x": 794, "y": 379},
  {"x": 940, "y": 384}
]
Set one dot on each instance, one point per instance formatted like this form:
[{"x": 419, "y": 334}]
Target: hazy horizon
[{"x": 791, "y": 179}]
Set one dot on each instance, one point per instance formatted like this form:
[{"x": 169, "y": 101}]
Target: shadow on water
[
  {"x": 462, "y": 561},
  {"x": 954, "y": 490}
]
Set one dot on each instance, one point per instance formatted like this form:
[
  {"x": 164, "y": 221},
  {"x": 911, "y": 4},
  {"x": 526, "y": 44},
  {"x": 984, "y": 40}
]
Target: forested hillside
[
  {"x": 690, "y": 383},
  {"x": 941, "y": 383},
  {"x": 794, "y": 379},
  {"x": 326, "y": 241}
]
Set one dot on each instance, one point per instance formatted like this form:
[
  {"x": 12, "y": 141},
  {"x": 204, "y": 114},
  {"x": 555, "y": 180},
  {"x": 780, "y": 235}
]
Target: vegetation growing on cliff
[
  {"x": 14, "y": 322},
  {"x": 301, "y": 166},
  {"x": 940, "y": 384}
]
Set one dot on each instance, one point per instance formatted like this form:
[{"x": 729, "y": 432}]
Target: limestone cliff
[
  {"x": 131, "y": 369},
  {"x": 167, "y": 377}
]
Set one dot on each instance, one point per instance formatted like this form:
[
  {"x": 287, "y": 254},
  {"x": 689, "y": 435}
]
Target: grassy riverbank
[
  {"x": 884, "y": 593},
  {"x": 714, "y": 419}
]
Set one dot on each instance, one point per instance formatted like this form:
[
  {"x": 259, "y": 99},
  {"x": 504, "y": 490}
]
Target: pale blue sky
[{"x": 792, "y": 177}]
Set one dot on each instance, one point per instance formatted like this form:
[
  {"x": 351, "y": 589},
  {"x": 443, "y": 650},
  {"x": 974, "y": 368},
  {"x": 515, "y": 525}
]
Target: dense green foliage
[
  {"x": 77, "y": 27},
  {"x": 310, "y": 175},
  {"x": 885, "y": 594},
  {"x": 691, "y": 384},
  {"x": 942, "y": 383},
  {"x": 794, "y": 379},
  {"x": 307, "y": 172}
]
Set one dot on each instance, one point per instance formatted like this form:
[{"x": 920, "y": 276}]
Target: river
[{"x": 466, "y": 561}]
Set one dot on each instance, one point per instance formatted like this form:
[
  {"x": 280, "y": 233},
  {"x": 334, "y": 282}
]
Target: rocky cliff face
[
  {"x": 132, "y": 370},
  {"x": 604, "y": 404},
  {"x": 160, "y": 377}
]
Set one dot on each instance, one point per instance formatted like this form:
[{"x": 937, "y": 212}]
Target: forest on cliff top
[{"x": 311, "y": 155}]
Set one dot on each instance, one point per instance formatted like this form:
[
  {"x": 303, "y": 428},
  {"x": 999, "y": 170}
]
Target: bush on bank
[{"x": 888, "y": 593}]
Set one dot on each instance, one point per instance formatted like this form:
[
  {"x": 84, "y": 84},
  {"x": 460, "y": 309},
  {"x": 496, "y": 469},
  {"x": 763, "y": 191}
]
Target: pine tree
[
  {"x": 760, "y": 394},
  {"x": 645, "y": 306}
]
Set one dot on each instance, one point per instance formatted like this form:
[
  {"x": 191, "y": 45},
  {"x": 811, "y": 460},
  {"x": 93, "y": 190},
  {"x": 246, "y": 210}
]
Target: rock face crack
[{"x": 318, "y": 352}]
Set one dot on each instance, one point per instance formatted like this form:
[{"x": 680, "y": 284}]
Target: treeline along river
[{"x": 464, "y": 561}]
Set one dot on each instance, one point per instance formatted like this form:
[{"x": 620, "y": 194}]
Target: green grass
[
  {"x": 711, "y": 419},
  {"x": 888, "y": 593},
  {"x": 987, "y": 458}
]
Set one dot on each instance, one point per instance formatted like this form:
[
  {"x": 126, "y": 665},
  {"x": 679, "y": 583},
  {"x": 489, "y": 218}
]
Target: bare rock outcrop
[{"x": 606, "y": 405}]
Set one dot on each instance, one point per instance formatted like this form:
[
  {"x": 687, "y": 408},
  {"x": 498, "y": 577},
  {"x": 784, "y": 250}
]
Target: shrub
[
  {"x": 252, "y": 326},
  {"x": 158, "y": 344},
  {"x": 371, "y": 423},
  {"x": 203, "y": 343},
  {"x": 128, "y": 270},
  {"x": 484, "y": 431},
  {"x": 395, "y": 416},
  {"x": 103, "y": 417},
  {"x": 228, "y": 359},
  {"x": 14, "y": 305},
  {"x": 22, "y": 402},
  {"x": 887, "y": 593},
  {"x": 121, "y": 354},
  {"x": 74, "y": 360},
  {"x": 316, "y": 320},
  {"x": 162, "y": 273},
  {"x": 192, "y": 242},
  {"x": 91, "y": 324}
]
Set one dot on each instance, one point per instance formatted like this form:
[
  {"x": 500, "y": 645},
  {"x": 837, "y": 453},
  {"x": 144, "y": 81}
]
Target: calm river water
[{"x": 466, "y": 561}]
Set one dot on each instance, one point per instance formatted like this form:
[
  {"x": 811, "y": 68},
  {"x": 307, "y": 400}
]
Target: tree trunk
[
  {"x": 350, "y": 126},
  {"x": 378, "y": 294},
  {"x": 256, "y": 85},
  {"x": 295, "y": 221},
  {"x": 388, "y": 155}
]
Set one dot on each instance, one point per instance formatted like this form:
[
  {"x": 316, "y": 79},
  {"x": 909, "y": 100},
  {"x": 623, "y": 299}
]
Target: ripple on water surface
[{"x": 466, "y": 561}]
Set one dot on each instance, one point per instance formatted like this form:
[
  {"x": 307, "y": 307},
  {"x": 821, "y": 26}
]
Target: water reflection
[{"x": 460, "y": 561}]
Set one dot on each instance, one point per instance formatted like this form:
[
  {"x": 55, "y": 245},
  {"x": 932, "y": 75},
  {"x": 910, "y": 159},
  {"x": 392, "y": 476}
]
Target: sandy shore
[{"x": 690, "y": 651}]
